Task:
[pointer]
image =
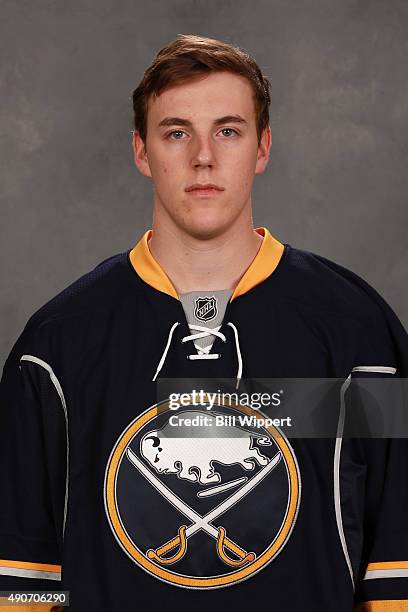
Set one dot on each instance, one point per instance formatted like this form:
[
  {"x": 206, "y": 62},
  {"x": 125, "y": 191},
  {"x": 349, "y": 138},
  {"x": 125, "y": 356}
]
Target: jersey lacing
[{"x": 203, "y": 353}]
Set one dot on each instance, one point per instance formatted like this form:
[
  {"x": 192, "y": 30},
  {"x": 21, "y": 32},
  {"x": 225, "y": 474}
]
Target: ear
[
  {"x": 140, "y": 155},
  {"x": 263, "y": 150}
]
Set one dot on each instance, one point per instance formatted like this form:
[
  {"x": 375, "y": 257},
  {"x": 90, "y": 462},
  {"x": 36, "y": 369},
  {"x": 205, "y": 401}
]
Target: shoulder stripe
[
  {"x": 58, "y": 388},
  {"x": 377, "y": 369},
  {"x": 336, "y": 475}
]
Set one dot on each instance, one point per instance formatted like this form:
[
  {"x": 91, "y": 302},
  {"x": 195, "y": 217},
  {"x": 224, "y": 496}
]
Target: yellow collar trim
[{"x": 262, "y": 266}]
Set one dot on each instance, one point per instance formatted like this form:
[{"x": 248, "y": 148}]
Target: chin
[{"x": 205, "y": 229}]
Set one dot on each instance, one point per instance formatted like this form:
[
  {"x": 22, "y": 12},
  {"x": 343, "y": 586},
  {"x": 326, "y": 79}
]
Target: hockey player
[{"x": 99, "y": 496}]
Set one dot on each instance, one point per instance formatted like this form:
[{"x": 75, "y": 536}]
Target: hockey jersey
[{"x": 98, "y": 498}]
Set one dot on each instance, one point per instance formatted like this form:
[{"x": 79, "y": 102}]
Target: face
[{"x": 202, "y": 133}]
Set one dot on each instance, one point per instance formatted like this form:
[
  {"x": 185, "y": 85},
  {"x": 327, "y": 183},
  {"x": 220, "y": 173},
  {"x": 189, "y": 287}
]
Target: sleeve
[
  {"x": 33, "y": 472},
  {"x": 383, "y": 579},
  {"x": 382, "y": 582}
]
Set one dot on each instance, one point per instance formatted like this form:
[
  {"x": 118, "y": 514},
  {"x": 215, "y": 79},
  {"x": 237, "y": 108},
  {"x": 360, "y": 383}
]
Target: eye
[
  {"x": 175, "y": 132},
  {"x": 229, "y": 130}
]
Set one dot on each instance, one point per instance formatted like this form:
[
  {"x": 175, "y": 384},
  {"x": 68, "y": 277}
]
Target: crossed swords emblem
[{"x": 201, "y": 522}]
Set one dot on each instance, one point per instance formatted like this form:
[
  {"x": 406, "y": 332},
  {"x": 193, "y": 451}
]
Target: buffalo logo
[
  {"x": 205, "y": 308},
  {"x": 182, "y": 489}
]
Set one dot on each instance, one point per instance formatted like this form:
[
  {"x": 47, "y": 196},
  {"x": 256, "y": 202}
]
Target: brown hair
[{"x": 189, "y": 57}]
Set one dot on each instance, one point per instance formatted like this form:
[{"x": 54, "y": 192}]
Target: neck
[{"x": 205, "y": 264}]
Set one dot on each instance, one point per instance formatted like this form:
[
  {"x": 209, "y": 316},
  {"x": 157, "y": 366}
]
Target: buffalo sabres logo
[
  {"x": 205, "y": 308},
  {"x": 201, "y": 505}
]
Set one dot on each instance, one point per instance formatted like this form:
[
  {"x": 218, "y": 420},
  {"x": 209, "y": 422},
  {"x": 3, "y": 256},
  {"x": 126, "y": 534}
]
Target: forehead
[{"x": 214, "y": 95}]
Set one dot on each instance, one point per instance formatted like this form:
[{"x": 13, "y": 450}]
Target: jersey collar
[{"x": 263, "y": 264}]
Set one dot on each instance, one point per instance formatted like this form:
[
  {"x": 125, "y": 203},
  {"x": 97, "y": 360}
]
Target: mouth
[{"x": 205, "y": 190}]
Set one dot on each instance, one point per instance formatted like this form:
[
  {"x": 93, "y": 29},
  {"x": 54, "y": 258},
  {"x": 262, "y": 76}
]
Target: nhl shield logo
[
  {"x": 181, "y": 498},
  {"x": 205, "y": 308}
]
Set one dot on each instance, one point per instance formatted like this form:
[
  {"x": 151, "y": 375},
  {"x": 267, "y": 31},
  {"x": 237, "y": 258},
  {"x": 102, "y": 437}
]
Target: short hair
[{"x": 189, "y": 57}]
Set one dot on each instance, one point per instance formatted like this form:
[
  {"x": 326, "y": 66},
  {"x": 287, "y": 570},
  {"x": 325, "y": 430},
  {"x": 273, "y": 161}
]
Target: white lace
[
  {"x": 202, "y": 353},
  {"x": 204, "y": 332}
]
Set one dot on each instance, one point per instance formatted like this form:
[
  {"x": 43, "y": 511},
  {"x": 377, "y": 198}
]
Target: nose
[{"x": 203, "y": 153}]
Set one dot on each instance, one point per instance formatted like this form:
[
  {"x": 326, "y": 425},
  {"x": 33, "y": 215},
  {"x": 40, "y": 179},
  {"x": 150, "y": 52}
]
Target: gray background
[{"x": 71, "y": 196}]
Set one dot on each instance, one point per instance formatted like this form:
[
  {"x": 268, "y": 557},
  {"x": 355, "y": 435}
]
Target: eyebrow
[{"x": 169, "y": 121}]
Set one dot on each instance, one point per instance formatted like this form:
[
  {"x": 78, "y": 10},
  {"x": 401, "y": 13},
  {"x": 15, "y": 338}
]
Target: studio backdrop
[{"x": 337, "y": 179}]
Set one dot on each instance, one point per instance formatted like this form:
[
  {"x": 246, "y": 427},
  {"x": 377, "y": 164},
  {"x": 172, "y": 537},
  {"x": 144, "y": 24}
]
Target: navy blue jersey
[{"x": 99, "y": 499}]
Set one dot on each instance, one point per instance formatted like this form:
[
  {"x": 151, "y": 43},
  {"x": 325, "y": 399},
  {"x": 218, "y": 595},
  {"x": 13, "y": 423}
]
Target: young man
[{"x": 100, "y": 496}]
